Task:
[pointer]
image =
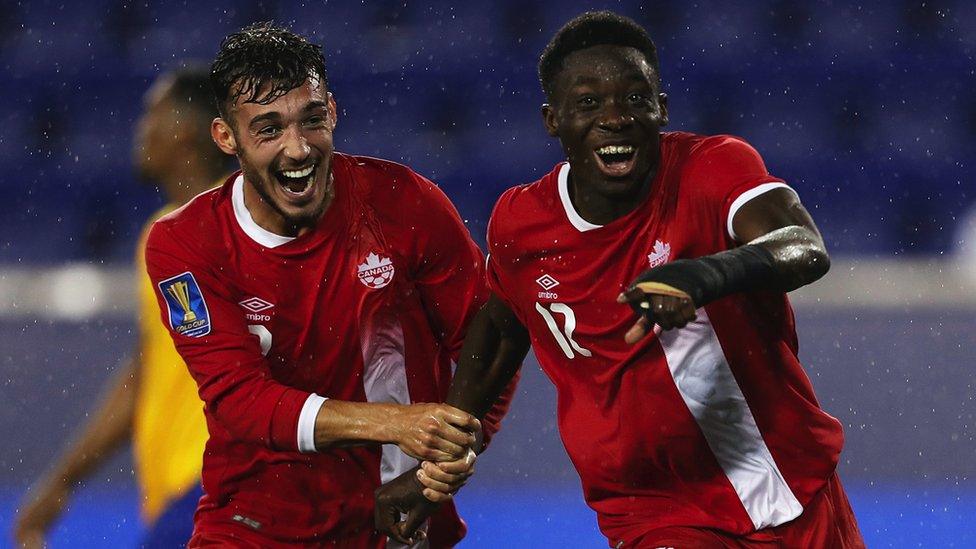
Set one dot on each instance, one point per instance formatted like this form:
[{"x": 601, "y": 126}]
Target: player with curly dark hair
[{"x": 313, "y": 308}]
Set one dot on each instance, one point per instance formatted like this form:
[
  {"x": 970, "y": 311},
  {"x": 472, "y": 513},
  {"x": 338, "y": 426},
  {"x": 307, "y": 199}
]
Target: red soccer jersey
[
  {"x": 714, "y": 425},
  {"x": 370, "y": 305}
]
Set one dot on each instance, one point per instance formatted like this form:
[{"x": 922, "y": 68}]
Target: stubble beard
[{"x": 262, "y": 184}]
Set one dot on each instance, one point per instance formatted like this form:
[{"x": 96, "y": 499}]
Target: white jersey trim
[
  {"x": 257, "y": 233},
  {"x": 705, "y": 381},
  {"x": 746, "y": 197},
  {"x": 306, "y": 423},
  {"x": 575, "y": 218}
]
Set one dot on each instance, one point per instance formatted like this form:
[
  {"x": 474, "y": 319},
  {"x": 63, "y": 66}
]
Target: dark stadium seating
[{"x": 866, "y": 109}]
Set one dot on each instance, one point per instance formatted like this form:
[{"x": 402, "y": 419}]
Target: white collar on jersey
[
  {"x": 575, "y": 218},
  {"x": 257, "y": 233}
]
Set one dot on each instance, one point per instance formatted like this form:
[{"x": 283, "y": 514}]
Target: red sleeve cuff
[{"x": 284, "y": 420}]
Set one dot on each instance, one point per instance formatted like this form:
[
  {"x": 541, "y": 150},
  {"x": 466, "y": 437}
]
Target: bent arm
[
  {"x": 108, "y": 429},
  {"x": 783, "y": 251},
  {"x": 109, "y": 426},
  {"x": 235, "y": 380},
  {"x": 493, "y": 351},
  {"x": 777, "y": 222}
]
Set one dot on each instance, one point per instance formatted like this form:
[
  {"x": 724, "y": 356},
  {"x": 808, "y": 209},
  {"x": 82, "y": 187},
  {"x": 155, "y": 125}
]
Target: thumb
[{"x": 416, "y": 517}]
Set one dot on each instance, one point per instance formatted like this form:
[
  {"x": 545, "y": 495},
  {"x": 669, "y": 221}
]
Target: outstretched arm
[
  {"x": 109, "y": 426},
  {"x": 493, "y": 352},
  {"x": 783, "y": 251}
]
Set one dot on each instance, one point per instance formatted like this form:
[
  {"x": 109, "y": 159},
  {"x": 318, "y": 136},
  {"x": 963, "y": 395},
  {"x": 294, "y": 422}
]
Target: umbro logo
[
  {"x": 255, "y": 304},
  {"x": 547, "y": 282}
]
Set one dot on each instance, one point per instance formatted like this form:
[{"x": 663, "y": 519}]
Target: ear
[
  {"x": 662, "y": 102},
  {"x": 223, "y": 136},
  {"x": 549, "y": 119},
  {"x": 333, "y": 113}
]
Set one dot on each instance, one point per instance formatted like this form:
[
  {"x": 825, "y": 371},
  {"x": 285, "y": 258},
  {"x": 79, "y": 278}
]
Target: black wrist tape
[{"x": 708, "y": 278}]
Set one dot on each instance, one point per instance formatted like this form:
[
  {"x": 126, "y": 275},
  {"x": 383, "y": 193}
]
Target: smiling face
[
  {"x": 285, "y": 150},
  {"x": 607, "y": 111}
]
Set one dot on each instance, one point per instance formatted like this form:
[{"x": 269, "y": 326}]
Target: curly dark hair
[
  {"x": 261, "y": 63},
  {"x": 593, "y": 28}
]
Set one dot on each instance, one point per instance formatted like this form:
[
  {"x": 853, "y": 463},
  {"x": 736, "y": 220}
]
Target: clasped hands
[{"x": 443, "y": 439}]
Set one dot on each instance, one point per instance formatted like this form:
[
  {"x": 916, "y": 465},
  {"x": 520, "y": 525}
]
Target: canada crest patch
[
  {"x": 188, "y": 314},
  {"x": 376, "y": 271},
  {"x": 660, "y": 254}
]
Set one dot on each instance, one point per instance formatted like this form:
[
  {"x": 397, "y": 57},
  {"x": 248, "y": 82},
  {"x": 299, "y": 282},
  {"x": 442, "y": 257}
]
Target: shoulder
[
  {"x": 724, "y": 152},
  {"x": 181, "y": 228},
  {"x": 386, "y": 184},
  {"x": 714, "y": 167},
  {"x": 377, "y": 172},
  {"x": 526, "y": 204},
  {"x": 695, "y": 148}
]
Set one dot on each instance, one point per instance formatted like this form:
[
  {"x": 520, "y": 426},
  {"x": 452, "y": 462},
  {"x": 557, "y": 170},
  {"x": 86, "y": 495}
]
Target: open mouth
[
  {"x": 616, "y": 160},
  {"x": 297, "y": 182}
]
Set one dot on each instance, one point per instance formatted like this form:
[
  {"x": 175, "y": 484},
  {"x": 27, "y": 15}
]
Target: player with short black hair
[
  {"x": 653, "y": 296},
  {"x": 153, "y": 401},
  {"x": 591, "y": 29},
  {"x": 315, "y": 312}
]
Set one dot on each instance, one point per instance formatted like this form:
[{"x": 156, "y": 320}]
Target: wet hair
[
  {"x": 594, "y": 28},
  {"x": 261, "y": 63}
]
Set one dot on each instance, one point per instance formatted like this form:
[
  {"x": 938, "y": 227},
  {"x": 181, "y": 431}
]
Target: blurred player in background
[
  {"x": 153, "y": 402},
  {"x": 695, "y": 426},
  {"x": 314, "y": 297}
]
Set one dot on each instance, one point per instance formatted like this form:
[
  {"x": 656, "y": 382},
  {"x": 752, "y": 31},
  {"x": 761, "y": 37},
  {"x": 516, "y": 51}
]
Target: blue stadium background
[{"x": 866, "y": 108}]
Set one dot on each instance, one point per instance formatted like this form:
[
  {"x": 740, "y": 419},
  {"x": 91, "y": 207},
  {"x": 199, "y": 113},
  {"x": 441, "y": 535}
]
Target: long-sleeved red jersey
[{"x": 370, "y": 305}]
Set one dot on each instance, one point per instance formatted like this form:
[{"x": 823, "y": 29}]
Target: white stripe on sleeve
[
  {"x": 306, "y": 423},
  {"x": 746, "y": 197}
]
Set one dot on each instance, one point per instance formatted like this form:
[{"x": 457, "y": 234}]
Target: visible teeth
[
  {"x": 615, "y": 149},
  {"x": 297, "y": 174}
]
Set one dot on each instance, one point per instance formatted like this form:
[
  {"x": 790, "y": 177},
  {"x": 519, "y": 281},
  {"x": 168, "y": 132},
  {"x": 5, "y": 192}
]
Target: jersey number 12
[{"x": 563, "y": 337}]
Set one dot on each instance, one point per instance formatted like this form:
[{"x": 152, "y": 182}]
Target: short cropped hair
[
  {"x": 261, "y": 63},
  {"x": 594, "y": 28},
  {"x": 190, "y": 86}
]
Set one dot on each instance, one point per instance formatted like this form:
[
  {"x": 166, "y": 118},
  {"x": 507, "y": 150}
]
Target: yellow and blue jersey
[{"x": 169, "y": 431}]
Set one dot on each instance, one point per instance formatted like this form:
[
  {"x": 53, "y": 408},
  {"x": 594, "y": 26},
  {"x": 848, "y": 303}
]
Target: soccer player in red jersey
[
  {"x": 314, "y": 296},
  {"x": 692, "y": 423}
]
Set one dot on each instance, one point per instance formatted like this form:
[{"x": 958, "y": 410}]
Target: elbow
[
  {"x": 801, "y": 262},
  {"x": 811, "y": 265},
  {"x": 818, "y": 264}
]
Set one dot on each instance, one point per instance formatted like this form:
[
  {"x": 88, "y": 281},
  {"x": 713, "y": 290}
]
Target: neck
[{"x": 599, "y": 208}]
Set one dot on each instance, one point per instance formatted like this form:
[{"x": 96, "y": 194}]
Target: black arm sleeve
[{"x": 708, "y": 278}]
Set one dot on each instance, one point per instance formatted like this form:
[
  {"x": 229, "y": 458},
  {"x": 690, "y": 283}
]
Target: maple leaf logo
[
  {"x": 659, "y": 254},
  {"x": 376, "y": 272}
]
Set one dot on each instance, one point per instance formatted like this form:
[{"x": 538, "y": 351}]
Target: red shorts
[{"x": 827, "y": 522}]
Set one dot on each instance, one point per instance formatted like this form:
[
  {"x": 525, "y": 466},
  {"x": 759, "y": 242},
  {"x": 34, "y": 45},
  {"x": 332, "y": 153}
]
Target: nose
[
  {"x": 296, "y": 145},
  {"x": 615, "y": 117}
]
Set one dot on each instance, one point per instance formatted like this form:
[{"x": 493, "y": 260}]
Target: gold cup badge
[{"x": 181, "y": 293}]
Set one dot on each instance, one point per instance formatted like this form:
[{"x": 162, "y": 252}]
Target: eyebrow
[
  {"x": 312, "y": 105},
  {"x": 275, "y": 115},
  {"x": 268, "y": 116}
]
